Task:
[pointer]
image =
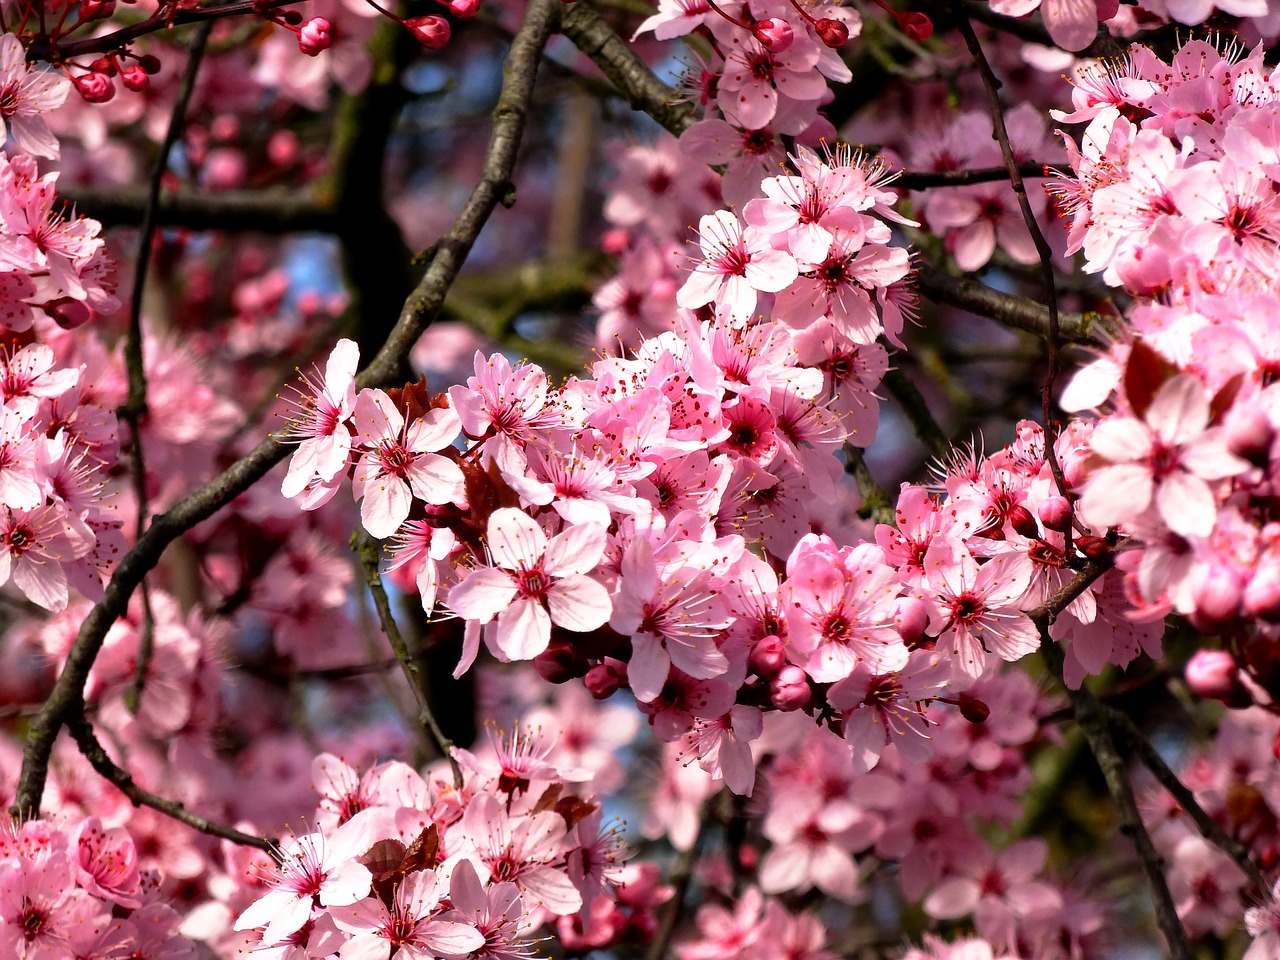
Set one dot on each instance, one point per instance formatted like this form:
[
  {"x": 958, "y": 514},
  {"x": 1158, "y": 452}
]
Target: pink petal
[
  {"x": 647, "y": 671},
  {"x": 482, "y": 595},
  {"x": 1186, "y": 504},
  {"x": 577, "y": 549},
  {"x": 524, "y": 629},
  {"x": 515, "y": 539},
  {"x": 579, "y": 603}
]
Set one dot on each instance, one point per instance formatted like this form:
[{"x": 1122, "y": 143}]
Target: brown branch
[
  {"x": 263, "y": 211},
  {"x": 109, "y": 770},
  {"x": 876, "y": 504},
  {"x": 367, "y": 550},
  {"x": 66, "y": 700},
  {"x": 924, "y": 179}
]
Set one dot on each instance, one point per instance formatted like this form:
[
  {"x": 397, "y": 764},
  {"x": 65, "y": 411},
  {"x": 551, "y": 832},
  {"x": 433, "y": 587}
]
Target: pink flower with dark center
[
  {"x": 883, "y": 708},
  {"x": 496, "y": 911},
  {"x": 25, "y": 94},
  {"x": 503, "y": 400},
  {"x": 736, "y": 264},
  {"x": 407, "y": 926},
  {"x": 106, "y": 862},
  {"x": 33, "y": 546},
  {"x": 320, "y": 426},
  {"x": 535, "y": 582}
]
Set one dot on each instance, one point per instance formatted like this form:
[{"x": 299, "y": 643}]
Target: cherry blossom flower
[
  {"x": 26, "y": 93},
  {"x": 737, "y": 263},
  {"x": 407, "y": 926},
  {"x": 321, "y": 427}
]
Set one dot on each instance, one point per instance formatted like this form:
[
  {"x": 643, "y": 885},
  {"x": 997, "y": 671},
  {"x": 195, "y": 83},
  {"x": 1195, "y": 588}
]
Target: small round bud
[
  {"x": 832, "y": 32},
  {"x": 789, "y": 689},
  {"x": 292, "y": 18},
  {"x": 135, "y": 78},
  {"x": 1023, "y": 522},
  {"x": 462, "y": 9},
  {"x": 95, "y": 87},
  {"x": 282, "y": 148},
  {"x": 1262, "y": 594},
  {"x": 68, "y": 313},
  {"x": 313, "y": 36},
  {"x": 105, "y": 66},
  {"x": 1092, "y": 547},
  {"x": 1216, "y": 591},
  {"x": 1214, "y": 674},
  {"x": 917, "y": 26},
  {"x": 1055, "y": 513},
  {"x": 774, "y": 34},
  {"x": 559, "y": 664},
  {"x": 768, "y": 656},
  {"x": 1249, "y": 433},
  {"x": 973, "y": 709},
  {"x": 601, "y": 681},
  {"x": 431, "y": 31},
  {"x": 910, "y": 619},
  {"x": 96, "y": 9},
  {"x": 149, "y": 63}
]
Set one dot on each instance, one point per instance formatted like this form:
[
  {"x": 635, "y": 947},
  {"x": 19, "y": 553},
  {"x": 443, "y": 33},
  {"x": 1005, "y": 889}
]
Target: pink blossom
[
  {"x": 407, "y": 926},
  {"x": 736, "y": 264},
  {"x": 321, "y": 425},
  {"x": 25, "y": 94}
]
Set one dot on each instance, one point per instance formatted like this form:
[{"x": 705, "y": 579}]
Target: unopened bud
[
  {"x": 1092, "y": 547},
  {"x": 1055, "y": 513},
  {"x": 601, "y": 681},
  {"x": 774, "y": 34},
  {"x": 910, "y": 619},
  {"x": 104, "y": 65},
  {"x": 1262, "y": 595},
  {"x": 832, "y": 32},
  {"x": 1023, "y": 522},
  {"x": 135, "y": 78},
  {"x": 313, "y": 36},
  {"x": 282, "y": 148},
  {"x": 431, "y": 31},
  {"x": 917, "y": 26},
  {"x": 1214, "y": 674},
  {"x": 1216, "y": 591},
  {"x": 96, "y": 9},
  {"x": 973, "y": 709},
  {"x": 68, "y": 313},
  {"x": 1249, "y": 433},
  {"x": 95, "y": 87},
  {"x": 462, "y": 9},
  {"x": 789, "y": 689},
  {"x": 559, "y": 664},
  {"x": 292, "y": 18},
  {"x": 768, "y": 656},
  {"x": 149, "y": 63}
]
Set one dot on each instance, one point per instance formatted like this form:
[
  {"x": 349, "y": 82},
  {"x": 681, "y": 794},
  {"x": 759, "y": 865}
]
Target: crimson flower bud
[
  {"x": 1216, "y": 591},
  {"x": 149, "y": 63},
  {"x": 832, "y": 32},
  {"x": 1249, "y": 433},
  {"x": 462, "y": 9},
  {"x": 67, "y": 313},
  {"x": 292, "y": 17},
  {"x": 1262, "y": 595},
  {"x": 973, "y": 709},
  {"x": 1055, "y": 513},
  {"x": 1215, "y": 675},
  {"x": 917, "y": 26},
  {"x": 910, "y": 619},
  {"x": 95, "y": 87},
  {"x": 431, "y": 31},
  {"x": 313, "y": 36},
  {"x": 104, "y": 65},
  {"x": 1092, "y": 547},
  {"x": 1021, "y": 520},
  {"x": 559, "y": 664},
  {"x": 768, "y": 656},
  {"x": 789, "y": 689},
  {"x": 602, "y": 681},
  {"x": 135, "y": 78},
  {"x": 96, "y": 9},
  {"x": 282, "y": 148},
  {"x": 774, "y": 34}
]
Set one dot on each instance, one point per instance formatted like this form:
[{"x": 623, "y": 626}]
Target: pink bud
[
  {"x": 774, "y": 34},
  {"x": 104, "y": 65},
  {"x": 149, "y": 63},
  {"x": 602, "y": 681},
  {"x": 1262, "y": 595},
  {"x": 431, "y": 31},
  {"x": 313, "y": 36},
  {"x": 1074, "y": 472},
  {"x": 282, "y": 148},
  {"x": 95, "y": 87},
  {"x": 1249, "y": 433},
  {"x": 1023, "y": 522},
  {"x": 462, "y": 9},
  {"x": 1055, "y": 513},
  {"x": 832, "y": 32},
  {"x": 768, "y": 656},
  {"x": 615, "y": 242},
  {"x": 917, "y": 26},
  {"x": 910, "y": 619},
  {"x": 1214, "y": 674},
  {"x": 1216, "y": 591},
  {"x": 789, "y": 689},
  {"x": 95, "y": 9},
  {"x": 559, "y": 664},
  {"x": 68, "y": 313},
  {"x": 135, "y": 78}
]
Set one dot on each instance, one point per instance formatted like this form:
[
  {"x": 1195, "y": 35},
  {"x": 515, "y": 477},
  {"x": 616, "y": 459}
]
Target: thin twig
[
  {"x": 109, "y": 770},
  {"x": 925, "y": 179},
  {"x": 1010, "y": 310},
  {"x": 917, "y": 411},
  {"x": 263, "y": 211},
  {"x": 135, "y": 406},
  {"x": 876, "y": 504},
  {"x": 368, "y": 552},
  {"x": 66, "y": 700}
]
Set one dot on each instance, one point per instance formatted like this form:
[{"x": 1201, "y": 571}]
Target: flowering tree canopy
[{"x": 734, "y": 480}]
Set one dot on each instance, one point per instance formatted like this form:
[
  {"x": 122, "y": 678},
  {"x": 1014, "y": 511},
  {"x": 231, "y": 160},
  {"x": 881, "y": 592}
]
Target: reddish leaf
[
  {"x": 1144, "y": 374},
  {"x": 1224, "y": 398}
]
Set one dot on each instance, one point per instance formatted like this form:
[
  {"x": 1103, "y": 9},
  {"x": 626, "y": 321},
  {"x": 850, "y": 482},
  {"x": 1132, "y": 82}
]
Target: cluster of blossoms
[
  {"x": 406, "y": 865},
  {"x": 1174, "y": 200},
  {"x": 74, "y": 890}
]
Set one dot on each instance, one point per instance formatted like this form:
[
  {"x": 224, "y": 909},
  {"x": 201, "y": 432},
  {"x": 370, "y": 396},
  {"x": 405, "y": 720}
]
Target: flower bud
[
  {"x": 1262, "y": 595},
  {"x": 1249, "y": 433},
  {"x": 104, "y": 65},
  {"x": 1023, "y": 522},
  {"x": 615, "y": 242},
  {"x": 431, "y": 31},
  {"x": 768, "y": 656},
  {"x": 1055, "y": 513},
  {"x": 973, "y": 709},
  {"x": 292, "y": 18},
  {"x": 917, "y": 26},
  {"x": 68, "y": 313},
  {"x": 1216, "y": 591},
  {"x": 149, "y": 63},
  {"x": 135, "y": 78},
  {"x": 910, "y": 619},
  {"x": 96, "y": 9},
  {"x": 313, "y": 36},
  {"x": 95, "y": 87},
  {"x": 1092, "y": 547},
  {"x": 559, "y": 664},
  {"x": 789, "y": 689},
  {"x": 832, "y": 32},
  {"x": 282, "y": 148},
  {"x": 601, "y": 681},
  {"x": 774, "y": 34},
  {"x": 462, "y": 9},
  {"x": 1214, "y": 674}
]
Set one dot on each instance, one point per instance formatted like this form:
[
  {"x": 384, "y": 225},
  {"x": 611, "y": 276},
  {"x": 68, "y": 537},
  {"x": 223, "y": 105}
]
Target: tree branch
[
  {"x": 263, "y": 211},
  {"x": 924, "y": 179}
]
